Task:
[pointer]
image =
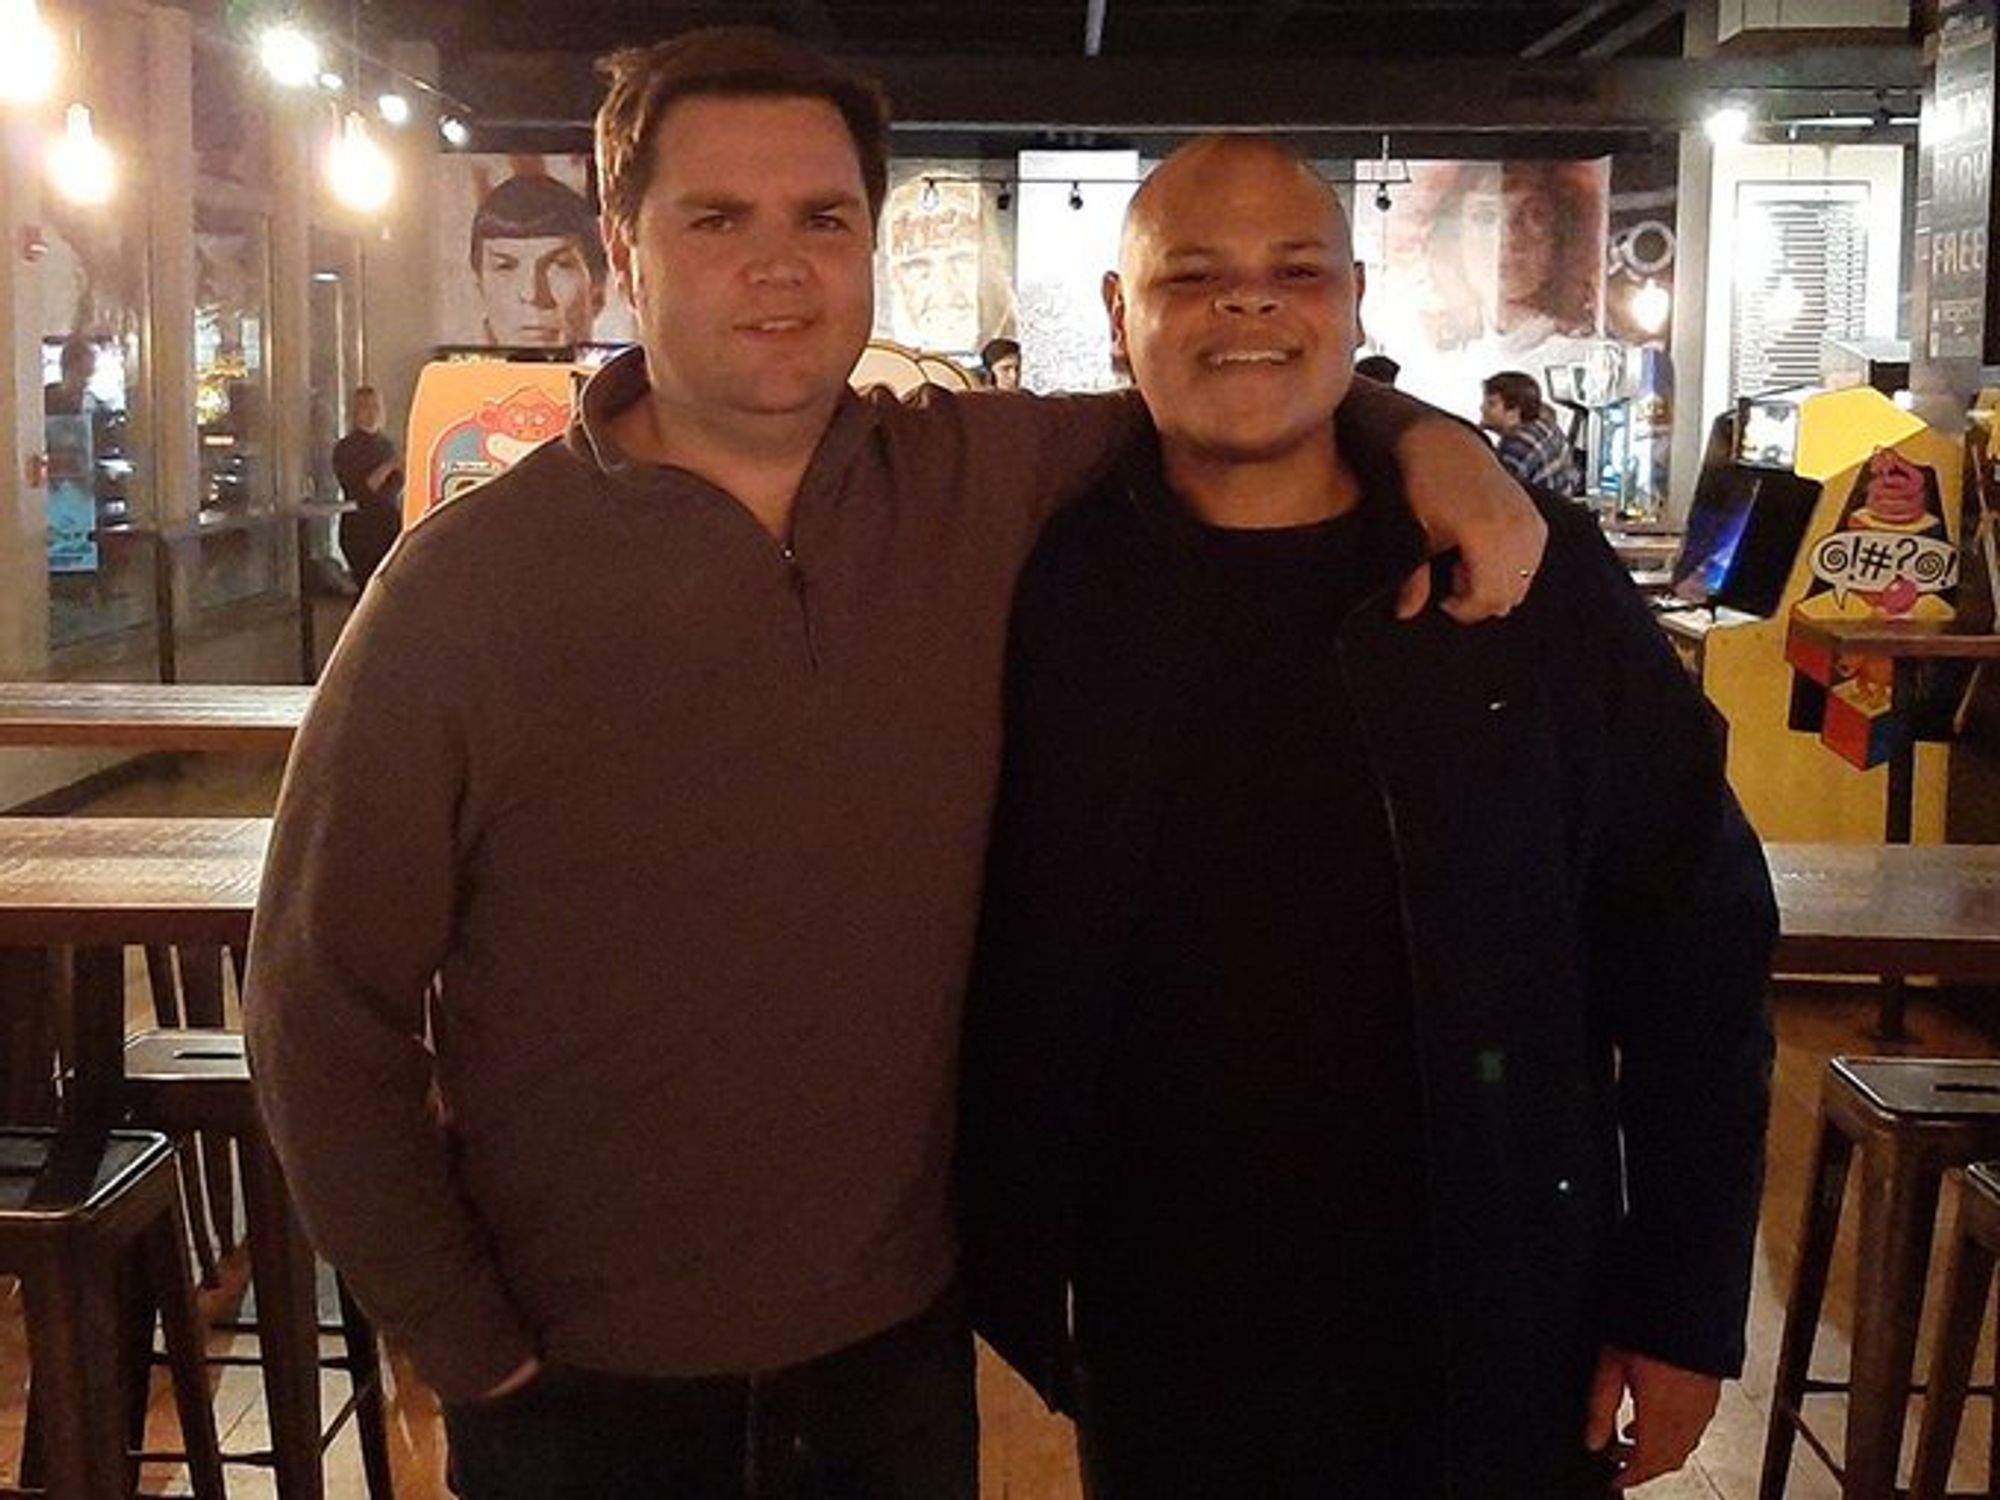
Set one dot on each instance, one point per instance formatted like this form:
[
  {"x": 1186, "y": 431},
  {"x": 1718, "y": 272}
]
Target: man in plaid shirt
[{"x": 1532, "y": 448}]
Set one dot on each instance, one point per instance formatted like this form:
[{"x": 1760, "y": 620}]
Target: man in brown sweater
[{"x": 670, "y": 754}]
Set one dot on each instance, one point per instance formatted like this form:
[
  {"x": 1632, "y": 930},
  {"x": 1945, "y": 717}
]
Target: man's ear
[
  {"x": 1114, "y": 307},
  {"x": 618, "y": 251}
]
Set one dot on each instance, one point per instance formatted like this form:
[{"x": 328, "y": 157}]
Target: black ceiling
[{"x": 1128, "y": 28}]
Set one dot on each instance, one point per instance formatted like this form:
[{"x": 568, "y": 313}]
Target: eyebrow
[
  {"x": 1283, "y": 247},
  {"x": 726, "y": 203}
]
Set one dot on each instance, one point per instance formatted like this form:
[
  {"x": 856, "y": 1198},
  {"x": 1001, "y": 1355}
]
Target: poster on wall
[
  {"x": 944, "y": 268},
  {"x": 521, "y": 264},
  {"x": 72, "y": 496},
  {"x": 1477, "y": 267}
]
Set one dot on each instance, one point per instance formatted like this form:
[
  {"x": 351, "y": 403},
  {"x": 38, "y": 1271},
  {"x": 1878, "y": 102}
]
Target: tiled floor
[{"x": 1027, "y": 1454}]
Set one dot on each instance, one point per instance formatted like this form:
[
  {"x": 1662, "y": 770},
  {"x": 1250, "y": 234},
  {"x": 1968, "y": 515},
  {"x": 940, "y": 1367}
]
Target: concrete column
[
  {"x": 1692, "y": 228},
  {"x": 398, "y": 253},
  {"x": 24, "y": 573},
  {"x": 169, "y": 186},
  {"x": 292, "y": 188}
]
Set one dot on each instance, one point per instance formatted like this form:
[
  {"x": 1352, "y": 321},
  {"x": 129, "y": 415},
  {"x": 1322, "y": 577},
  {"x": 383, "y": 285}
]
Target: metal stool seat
[
  {"x": 184, "y": 1081},
  {"x": 78, "y": 1211},
  {"x": 1912, "y": 1119}
]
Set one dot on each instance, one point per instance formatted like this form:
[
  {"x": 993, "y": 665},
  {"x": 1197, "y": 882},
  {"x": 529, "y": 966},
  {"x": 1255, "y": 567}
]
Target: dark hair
[
  {"x": 1516, "y": 388},
  {"x": 78, "y": 353},
  {"x": 995, "y": 350},
  {"x": 734, "y": 62},
  {"x": 1378, "y": 367},
  {"x": 533, "y": 207}
]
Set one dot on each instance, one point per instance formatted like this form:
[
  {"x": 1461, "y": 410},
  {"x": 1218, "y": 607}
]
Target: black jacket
[{"x": 1589, "y": 921}]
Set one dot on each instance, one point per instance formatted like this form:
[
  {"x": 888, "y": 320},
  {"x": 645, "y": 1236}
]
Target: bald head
[
  {"x": 1235, "y": 307},
  {"x": 1228, "y": 171}
]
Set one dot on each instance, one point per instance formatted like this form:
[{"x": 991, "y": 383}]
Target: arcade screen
[
  {"x": 1744, "y": 532},
  {"x": 1769, "y": 432}
]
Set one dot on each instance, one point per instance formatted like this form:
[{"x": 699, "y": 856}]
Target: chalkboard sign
[{"x": 1958, "y": 162}]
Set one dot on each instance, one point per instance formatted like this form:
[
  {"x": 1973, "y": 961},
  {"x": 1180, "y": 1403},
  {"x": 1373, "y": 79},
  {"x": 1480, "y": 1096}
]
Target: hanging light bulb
[
  {"x": 289, "y": 55},
  {"x": 1652, "y": 305},
  {"x": 80, "y": 168},
  {"x": 454, "y": 130},
  {"x": 930, "y": 197},
  {"x": 31, "y": 61},
  {"x": 358, "y": 170},
  {"x": 1075, "y": 195}
]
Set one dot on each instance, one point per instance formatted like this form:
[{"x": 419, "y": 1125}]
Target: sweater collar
[{"x": 622, "y": 381}]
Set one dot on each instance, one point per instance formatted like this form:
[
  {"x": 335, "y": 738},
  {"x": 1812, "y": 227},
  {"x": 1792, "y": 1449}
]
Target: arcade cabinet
[{"x": 1777, "y": 492}]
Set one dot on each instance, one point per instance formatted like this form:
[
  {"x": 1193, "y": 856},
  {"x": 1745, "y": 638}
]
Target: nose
[
  {"x": 1247, "y": 299},
  {"x": 776, "y": 261}
]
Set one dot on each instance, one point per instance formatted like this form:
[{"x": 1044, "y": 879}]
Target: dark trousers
[
  {"x": 890, "y": 1418},
  {"x": 1167, "y": 1430},
  {"x": 1157, "y": 1431}
]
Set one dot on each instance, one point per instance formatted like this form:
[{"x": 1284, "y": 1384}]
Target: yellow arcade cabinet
[{"x": 1838, "y": 504}]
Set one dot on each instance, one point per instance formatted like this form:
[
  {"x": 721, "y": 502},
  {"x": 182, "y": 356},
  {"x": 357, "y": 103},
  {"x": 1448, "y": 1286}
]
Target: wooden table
[
  {"x": 153, "y": 715},
  {"x": 94, "y": 885},
  {"x": 1888, "y": 909}
]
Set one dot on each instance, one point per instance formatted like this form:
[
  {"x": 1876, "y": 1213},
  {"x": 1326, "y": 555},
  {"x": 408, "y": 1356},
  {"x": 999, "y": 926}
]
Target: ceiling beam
[
  {"x": 1582, "y": 21},
  {"x": 1152, "y": 95},
  {"x": 1650, "y": 19},
  {"x": 1269, "y": 24},
  {"x": 813, "y": 21}
]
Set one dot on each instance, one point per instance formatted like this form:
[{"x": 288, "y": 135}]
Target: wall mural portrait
[
  {"x": 521, "y": 263},
  {"x": 1482, "y": 266}
]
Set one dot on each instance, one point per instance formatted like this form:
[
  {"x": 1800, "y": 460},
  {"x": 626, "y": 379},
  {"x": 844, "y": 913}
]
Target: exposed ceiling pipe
[{"x": 1093, "y": 27}]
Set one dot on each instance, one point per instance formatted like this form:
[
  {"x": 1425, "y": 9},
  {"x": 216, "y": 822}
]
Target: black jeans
[
  {"x": 1154, "y": 1431},
  {"x": 890, "y": 1418}
]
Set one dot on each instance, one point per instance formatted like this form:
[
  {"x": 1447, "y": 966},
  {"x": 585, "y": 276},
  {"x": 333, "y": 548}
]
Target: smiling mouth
[{"x": 1229, "y": 359}]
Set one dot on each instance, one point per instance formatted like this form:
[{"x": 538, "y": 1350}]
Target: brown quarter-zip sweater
[{"x": 693, "y": 830}]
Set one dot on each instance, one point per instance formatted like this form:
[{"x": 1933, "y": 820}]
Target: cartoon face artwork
[{"x": 1891, "y": 555}]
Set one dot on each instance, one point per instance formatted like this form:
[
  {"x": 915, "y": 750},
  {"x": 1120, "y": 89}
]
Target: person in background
[
  {"x": 1001, "y": 360},
  {"x": 669, "y": 756},
  {"x": 538, "y": 259},
  {"x": 1329, "y": 1122},
  {"x": 1378, "y": 367},
  {"x": 1532, "y": 447},
  {"x": 69, "y": 394},
  {"x": 371, "y": 480}
]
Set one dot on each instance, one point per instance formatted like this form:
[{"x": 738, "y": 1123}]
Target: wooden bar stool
[
  {"x": 181, "y": 1081},
  {"x": 76, "y": 1209},
  {"x": 1968, "y": 1283},
  {"x": 1912, "y": 1120}
]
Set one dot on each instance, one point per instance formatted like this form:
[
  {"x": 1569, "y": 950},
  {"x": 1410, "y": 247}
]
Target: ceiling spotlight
[
  {"x": 289, "y": 55},
  {"x": 454, "y": 130},
  {"x": 930, "y": 198},
  {"x": 393, "y": 108},
  {"x": 1383, "y": 202},
  {"x": 1727, "y": 125},
  {"x": 1004, "y": 199},
  {"x": 79, "y": 165},
  {"x": 31, "y": 60},
  {"x": 1075, "y": 195}
]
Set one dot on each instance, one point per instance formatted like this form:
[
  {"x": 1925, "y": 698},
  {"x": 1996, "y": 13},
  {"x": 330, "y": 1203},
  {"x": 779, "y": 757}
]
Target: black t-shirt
[
  {"x": 1255, "y": 1191},
  {"x": 358, "y": 455}
]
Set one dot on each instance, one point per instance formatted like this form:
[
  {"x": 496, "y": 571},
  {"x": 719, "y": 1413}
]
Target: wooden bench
[
  {"x": 1890, "y": 909},
  {"x": 153, "y": 716}
]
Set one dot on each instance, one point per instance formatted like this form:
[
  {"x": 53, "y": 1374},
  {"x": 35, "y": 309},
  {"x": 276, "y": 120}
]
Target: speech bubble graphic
[{"x": 1870, "y": 562}]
